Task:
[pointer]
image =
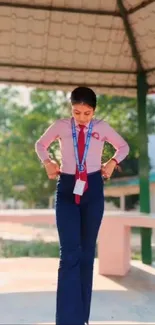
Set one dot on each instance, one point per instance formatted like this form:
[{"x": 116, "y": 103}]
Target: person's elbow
[
  {"x": 36, "y": 145},
  {"x": 126, "y": 149}
]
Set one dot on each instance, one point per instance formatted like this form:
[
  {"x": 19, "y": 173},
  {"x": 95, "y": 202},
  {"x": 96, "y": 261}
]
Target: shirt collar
[{"x": 77, "y": 125}]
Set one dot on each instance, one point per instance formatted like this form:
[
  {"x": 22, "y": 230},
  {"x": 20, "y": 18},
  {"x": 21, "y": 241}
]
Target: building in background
[{"x": 151, "y": 150}]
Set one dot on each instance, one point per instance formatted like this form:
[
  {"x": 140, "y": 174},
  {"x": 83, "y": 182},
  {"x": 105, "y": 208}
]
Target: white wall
[
  {"x": 151, "y": 153},
  {"x": 151, "y": 150}
]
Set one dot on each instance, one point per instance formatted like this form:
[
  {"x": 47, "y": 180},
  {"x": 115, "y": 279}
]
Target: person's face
[{"x": 82, "y": 113}]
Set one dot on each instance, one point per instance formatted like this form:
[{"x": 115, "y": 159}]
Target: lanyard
[{"x": 75, "y": 142}]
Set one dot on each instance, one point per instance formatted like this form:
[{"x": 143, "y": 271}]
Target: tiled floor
[{"x": 28, "y": 294}]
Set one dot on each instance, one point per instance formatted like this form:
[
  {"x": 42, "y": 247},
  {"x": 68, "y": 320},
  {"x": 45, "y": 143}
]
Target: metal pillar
[{"x": 144, "y": 165}]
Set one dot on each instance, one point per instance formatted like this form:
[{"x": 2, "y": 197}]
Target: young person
[{"x": 79, "y": 198}]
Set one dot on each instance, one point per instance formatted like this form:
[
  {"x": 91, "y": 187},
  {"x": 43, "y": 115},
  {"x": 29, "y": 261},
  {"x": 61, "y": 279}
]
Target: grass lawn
[{"x": 38, "y": 248}]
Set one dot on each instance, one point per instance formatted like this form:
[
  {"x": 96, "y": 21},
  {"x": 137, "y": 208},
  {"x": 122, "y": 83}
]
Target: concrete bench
[
  {"x": 28, "y": 216},
  {"x": 114, "y": 249},
  {"x": 114, "y": 252}
]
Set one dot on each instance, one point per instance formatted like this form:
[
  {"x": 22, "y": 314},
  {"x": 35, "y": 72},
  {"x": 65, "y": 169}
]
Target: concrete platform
[
  {"x": 108, "y": 323},
  {"x": 28, "y": 294}
]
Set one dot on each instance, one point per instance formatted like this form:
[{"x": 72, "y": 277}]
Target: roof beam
[
  {"x": 142, "y": 5},
  {"x": 32, "y": 6},
  {"x": 150, "y": 70},
  {"x": 61, "y": 84},
  {"x": 67, "y": 69},
  {"x": 130, "y": 35},
  {"x": 151, "y": 86},
  {"x": 74, "y": 10}
]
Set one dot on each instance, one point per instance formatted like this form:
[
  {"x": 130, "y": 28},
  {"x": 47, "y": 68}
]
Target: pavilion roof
[{"x": 59, "y": 44}]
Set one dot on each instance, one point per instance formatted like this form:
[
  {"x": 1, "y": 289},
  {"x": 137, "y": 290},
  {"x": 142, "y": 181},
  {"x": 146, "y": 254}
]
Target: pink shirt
[{"x": 61, "y": 130}]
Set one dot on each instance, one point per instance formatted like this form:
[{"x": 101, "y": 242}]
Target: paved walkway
[
  {"x": 28, "y": 294},
  {"x": 16, "y": 231}
]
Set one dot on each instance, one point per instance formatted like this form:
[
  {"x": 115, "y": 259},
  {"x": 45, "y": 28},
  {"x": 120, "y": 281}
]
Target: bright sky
[{"x": 25, "y": 93}]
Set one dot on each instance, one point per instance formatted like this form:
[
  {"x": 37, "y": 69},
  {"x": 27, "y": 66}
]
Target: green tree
[
  {"x": 121, "y": 113},
  {"x": 20, "y": 128}
]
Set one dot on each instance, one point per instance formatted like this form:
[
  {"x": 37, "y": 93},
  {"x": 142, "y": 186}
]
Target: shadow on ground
[{"x": 134, "y": 301}]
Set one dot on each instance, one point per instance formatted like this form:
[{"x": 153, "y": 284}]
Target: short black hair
[{"x": 83, "y": 95}]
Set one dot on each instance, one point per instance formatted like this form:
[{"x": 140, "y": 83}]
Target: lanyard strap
[{"x": 75, "y": 142}]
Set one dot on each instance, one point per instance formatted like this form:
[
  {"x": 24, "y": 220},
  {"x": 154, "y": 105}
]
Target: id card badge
[{"x": 79, "y": 187}]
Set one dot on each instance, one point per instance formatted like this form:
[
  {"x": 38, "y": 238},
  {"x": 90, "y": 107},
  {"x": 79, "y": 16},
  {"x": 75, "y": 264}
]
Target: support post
[
  {"x": 122, "y": 202},
  {"x": 144, "y": 165}
]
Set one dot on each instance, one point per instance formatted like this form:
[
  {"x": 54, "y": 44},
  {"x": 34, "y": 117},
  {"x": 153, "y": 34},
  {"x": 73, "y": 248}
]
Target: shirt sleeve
[
  {"x": 116, "y": 140},
  {"x": 49, "y": 136}
]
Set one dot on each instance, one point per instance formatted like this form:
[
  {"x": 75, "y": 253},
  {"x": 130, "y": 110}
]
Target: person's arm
[
  {"x": 42, "y": 144},
  {"x": 116, "y": 140},
  {"x": 121, "y": 147}
]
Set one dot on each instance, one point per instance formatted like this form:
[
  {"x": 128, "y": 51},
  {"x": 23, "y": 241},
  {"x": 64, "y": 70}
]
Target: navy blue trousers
[{"x": 78, "y": 227}]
